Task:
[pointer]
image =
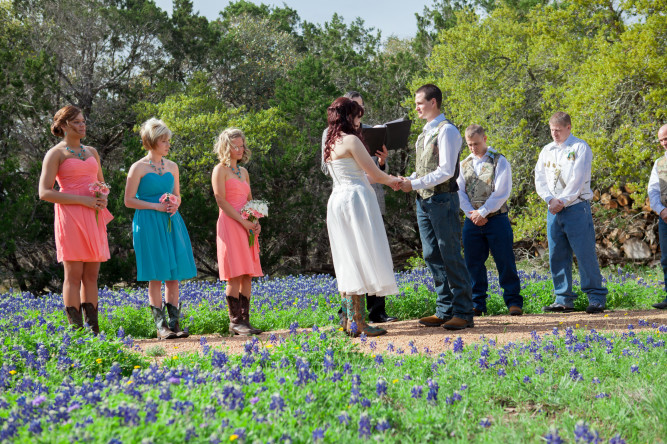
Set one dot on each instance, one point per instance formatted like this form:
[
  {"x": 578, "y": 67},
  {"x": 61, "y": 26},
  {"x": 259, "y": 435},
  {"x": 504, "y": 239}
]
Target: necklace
[
  {"x": 158, "y": 169},
  {"x": 80, "y": 154},
  {"x": 237, "y": 171}
]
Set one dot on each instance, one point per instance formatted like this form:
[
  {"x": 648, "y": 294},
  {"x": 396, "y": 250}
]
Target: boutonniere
[{"x": 571, "y": 156}]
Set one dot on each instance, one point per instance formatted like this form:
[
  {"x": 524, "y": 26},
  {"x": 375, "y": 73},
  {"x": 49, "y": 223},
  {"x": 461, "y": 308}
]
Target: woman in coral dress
[
  {"x": 237, "y": 261},
  {"x": 81, "y": 216},
  {"x": 161, "y": 241}
]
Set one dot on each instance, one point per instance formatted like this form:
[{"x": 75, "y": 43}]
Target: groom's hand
[{"x": 406, "y": 185}]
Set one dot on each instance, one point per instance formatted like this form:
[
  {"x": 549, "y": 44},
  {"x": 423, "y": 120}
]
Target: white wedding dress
[{"x": 359, "y": 245}]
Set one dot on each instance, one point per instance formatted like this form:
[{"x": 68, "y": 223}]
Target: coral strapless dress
[
  {"x": 235, "y": 256},
  {"x": 79, "y": 237}
]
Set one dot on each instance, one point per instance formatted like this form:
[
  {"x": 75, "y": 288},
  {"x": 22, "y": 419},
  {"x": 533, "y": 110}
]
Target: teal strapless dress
[{"x": 162, "y": 255}]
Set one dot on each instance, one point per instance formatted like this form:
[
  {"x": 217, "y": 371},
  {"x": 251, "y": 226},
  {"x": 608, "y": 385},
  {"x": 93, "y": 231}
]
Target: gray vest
[
  {"x": 479, "y": 188},
  {"x": 661, "y": 166},
  {"x": 428, "y": 160}
]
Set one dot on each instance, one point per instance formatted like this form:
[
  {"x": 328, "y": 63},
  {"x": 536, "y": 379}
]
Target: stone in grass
[{"x": 155, "y": 351}]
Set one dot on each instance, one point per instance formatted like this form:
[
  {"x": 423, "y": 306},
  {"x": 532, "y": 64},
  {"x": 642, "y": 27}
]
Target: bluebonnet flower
[
  {"x": 379, "y": 360},
  {"x": 38, "y": 401},
  {"x": 344, "y": 418},
  {"x": 372, "y": 345},
  {"x": 575, "y": 375},
  {"x": 552, "y": 437},
  {"x": 526, "y": 379},
  {"x": 634, "y": 368},
  {"x": 433, "y": 387},
  {"x": 616, "y": 439},
  {"x": 277, "y": 402},
  {"x": 364, "y": 426},
  {"x": 390, "y": 347},
  {"x": 219, "y": 359},
  {"x": 365, "y": 402},
  {"x": 485, "y": 422},
  {"x": 539, "y": 371},
  {"x": 318, "y": 434},
  {"x": 602, "y": 395},
  {"x": 501, "y": 372},
  {"x": 458, "y": 345},
  {"x": 382, "y": 425},
  {"x": 416, "y": 391},
  {"x": 381, "y": 387}
]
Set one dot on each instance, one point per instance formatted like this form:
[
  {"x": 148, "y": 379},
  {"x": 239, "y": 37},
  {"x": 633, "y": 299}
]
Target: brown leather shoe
[
  {"x": 457, "y": 323},
  {"x": 515, "y": 311},
  {"x": 432, "y": 321}
]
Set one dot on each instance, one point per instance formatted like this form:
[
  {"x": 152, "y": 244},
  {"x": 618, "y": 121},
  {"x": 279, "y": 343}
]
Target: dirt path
[{"x": 502, "y": 329}]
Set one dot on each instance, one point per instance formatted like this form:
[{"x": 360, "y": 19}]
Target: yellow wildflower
[
  {"x": 175, "y": 357},
  {"x": 269, "y": 345},
  {"x": 234, "y": 437},
  {"x": 130, "y": 382},
  {"x": 606, "y": 316},
  {"x": 137, "y": 366},
  {"x": 12, "y": 372},
  {"x": 98, "y": 360},
  {"x": 394, "y": 381}
]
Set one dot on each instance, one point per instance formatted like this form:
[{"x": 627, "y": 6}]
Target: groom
[{"x": 437, "y": 168}]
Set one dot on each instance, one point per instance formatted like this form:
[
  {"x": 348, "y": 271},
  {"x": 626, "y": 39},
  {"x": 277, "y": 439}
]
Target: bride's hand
[{"x": 395, "y": 183}]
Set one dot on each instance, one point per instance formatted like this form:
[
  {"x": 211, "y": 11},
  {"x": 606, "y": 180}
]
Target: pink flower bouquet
[
  {"x": 252, "y": 211},
  {"x": 99, "y": 189}
]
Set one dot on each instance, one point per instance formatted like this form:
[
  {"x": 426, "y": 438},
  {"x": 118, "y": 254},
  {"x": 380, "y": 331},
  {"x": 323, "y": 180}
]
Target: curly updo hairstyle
[
  {"x": 223, "y": 146},
  {"x": 340, "y": 116},
  {"x": 64, "y": 115}
]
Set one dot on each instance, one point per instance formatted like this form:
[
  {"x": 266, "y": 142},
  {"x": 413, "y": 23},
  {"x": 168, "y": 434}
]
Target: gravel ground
[{"x": 502, "y": 329}]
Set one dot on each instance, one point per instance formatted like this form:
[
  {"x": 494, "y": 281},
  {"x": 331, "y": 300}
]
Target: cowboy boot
[
  {"x": 359, "y": 317},
  {"x": 236, "y": 325},
  {"x": 90, "y": 317},
  {"x": 163, "y": 331},
  {"x": 342, "y": 313},
  {"x": 174, "y": 315},
  {"x": 245, "y": 313},
  {"x": 74, "y": 317}
]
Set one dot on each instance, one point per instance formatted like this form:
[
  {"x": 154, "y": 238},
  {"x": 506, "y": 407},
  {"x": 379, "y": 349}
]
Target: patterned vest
[
  {"x": 661, "y": 166},
  {"x": 479, "y": 188},
  {"x": 428, "y": 159}
]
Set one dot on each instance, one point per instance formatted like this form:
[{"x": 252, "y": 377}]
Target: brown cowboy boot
[
  {"x": 236, "y": 325},
  {"x": 174, "y": 315},
  {"x": 90, "y": 317},
  {"x": 163, "y": 331},
  {"x": 358, "y": 316},
  {"x": 245, "y": 314},
  {"x": 344, "y": 310},
  {"x": 74, "y": 317}
]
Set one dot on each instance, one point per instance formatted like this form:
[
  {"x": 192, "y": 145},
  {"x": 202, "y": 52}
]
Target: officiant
[{"x": 376, "y": 305}]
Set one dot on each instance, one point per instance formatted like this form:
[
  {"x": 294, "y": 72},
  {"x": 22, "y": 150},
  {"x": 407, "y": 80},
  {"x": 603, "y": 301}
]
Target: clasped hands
[
  {"x": 400, "y": 183},
  {"x": 169, "y": 207}
]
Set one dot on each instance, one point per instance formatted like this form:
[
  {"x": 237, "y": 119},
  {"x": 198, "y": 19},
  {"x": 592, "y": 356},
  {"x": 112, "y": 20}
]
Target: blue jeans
[
  {"x": 571, "y": 230},
  {"x": 440, "y": 232},
  {"x": 662, "y": 232},
  {"x": 495, "y": 236}
]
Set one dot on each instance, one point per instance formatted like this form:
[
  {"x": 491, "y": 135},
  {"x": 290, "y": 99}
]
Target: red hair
[{"x": 340, "y": 116}]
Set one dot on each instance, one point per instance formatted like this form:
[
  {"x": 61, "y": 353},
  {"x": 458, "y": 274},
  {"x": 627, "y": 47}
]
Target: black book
[{"x": 394, "y": 135}]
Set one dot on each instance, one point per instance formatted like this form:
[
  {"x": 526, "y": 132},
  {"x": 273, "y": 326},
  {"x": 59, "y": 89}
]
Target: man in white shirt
[
  {"x": 657, "y": 194},
  {"x": 563, "y": 180},
  {"x": 437, "y": 167},
  {"x": 485, "y": 183}
]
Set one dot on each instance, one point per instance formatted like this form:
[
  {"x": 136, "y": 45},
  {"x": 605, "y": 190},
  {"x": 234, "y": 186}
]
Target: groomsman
[
  {"x": 563, "y": 180},
  {"x": 377, "y": 312},
  {"x": 657, "y": 194},
  {"x": 437, "y": 168},
  {"x": 485, "y": 183}
]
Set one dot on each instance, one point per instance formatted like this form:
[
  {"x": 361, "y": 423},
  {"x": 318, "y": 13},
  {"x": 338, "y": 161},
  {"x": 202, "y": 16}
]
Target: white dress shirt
[
  {"x": 449, "y": 144},
  {"x": 654, "y": 190},
  {"x": 502, "y": 186},
  {"x": 564, "y": 172}
]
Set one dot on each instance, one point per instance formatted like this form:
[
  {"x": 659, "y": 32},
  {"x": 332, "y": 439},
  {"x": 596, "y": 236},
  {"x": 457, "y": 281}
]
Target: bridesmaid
[
  {"x": 237, "y": 261},
  {"x": 81, "y": 218},
  {"x": 161, "y": 241}
]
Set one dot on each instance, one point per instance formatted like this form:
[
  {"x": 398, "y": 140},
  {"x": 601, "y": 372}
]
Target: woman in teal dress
[{"x": 161, "y": 241}]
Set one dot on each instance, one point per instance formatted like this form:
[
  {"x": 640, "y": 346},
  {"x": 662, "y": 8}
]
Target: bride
[{"x": 359, "y": 246}]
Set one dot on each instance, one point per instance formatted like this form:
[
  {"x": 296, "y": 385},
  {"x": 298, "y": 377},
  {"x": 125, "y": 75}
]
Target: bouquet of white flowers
[{"x": 252, "y": 211}]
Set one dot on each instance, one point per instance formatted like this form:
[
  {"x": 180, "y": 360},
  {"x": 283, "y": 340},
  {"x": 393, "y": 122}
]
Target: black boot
[
  {"x": 236, "y": 324},
  {"x": 245, "y": 314},
  {"x": 74, "y": 317},
  {"x": 174, "y": 316},
  {"x": 163, "y": 331},
  {"x": 376, "y": 310},
  {"x": 90, "y": 316}
]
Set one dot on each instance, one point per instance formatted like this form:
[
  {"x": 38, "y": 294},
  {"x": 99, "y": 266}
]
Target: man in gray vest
[
  {"x": 485, "y": 183},
  {"x": 563, "y": 181},
  {"x": 376, "y": 305},
  {"x": 657, "y": 194},
  {"x": 437, "y": 168}
]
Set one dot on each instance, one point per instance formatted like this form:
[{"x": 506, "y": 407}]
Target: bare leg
[
  {"x": 155, "y": 293},
  {"x": 89, "y": 289},
  {"x": 171, "y": 292},
  {"x": 246, "y": 283},
  {"x": 72, "y": 283},
  {"x": 233, "y": 287}
]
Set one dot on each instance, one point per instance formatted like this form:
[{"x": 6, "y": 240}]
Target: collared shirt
[
  {"x": 564, "y": 172},
  {"x": 449, "y": 143},
  {"x": 654, "y": 190},
  {"x": 502, "y": 183}
]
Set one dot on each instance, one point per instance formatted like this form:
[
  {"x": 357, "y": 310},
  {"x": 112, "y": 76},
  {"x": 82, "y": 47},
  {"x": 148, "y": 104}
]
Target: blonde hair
[
  {"x": 151, "y": 131},
  {"x": 223, "y": 145},
  {"x": 474, "y": 130}
]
